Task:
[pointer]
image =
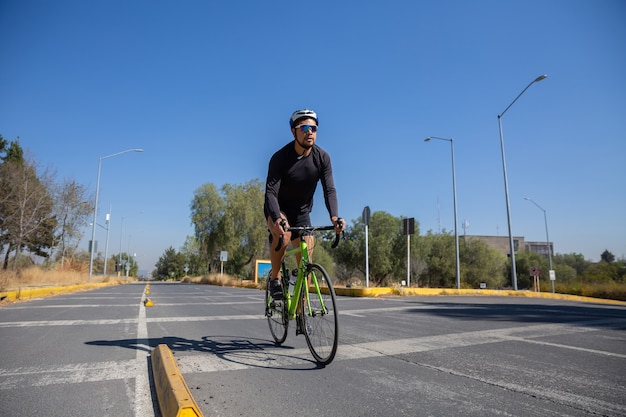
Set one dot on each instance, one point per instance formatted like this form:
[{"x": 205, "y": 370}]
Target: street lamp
[
  {"x": 506, "y": 182},
  {"x": 106, "y": 248},
  {"x": 456, "y": 233},
  {"x": 121, "y": 235},
  {"x": 545, "y": 220},
  {"x": 95, "y": 208},
  {"x": 129, "y": 257},
  {"x": 107, "y": 228}
]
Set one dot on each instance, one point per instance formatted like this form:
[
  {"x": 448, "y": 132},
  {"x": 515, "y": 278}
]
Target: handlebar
[{"x": 302, "y": 229}]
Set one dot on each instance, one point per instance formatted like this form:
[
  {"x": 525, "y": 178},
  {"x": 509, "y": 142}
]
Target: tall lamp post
[
  {"x": 121, "y": 235},
  {"x": 456, "y": 232},
  {"x": 106, "y": 247},
  {"x": 95, "y": 208},
  {"x": 545, "y": 220},
  {"x": 506, "y": 182},
  {"x": 107, "y": 228}
]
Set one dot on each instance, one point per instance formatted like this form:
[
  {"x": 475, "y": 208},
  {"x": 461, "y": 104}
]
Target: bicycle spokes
[
  {"x": 276, "y": 313},
  {"x": 320, "y": 317}
]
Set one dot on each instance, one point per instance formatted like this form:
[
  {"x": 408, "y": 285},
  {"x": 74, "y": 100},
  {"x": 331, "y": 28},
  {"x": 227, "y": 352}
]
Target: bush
[{"x": 612, "y": 291}]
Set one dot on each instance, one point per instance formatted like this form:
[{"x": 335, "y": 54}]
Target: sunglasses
[{"x": 307, "y": 128}]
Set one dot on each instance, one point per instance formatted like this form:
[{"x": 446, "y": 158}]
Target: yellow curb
[
  {"x": 364, "y": 292},
  {"x": 175, "y": 399},
  {"x": 148, "y": 303},
  {"x": 375, "y": 292},
  {"x": 24, "y": 294}
]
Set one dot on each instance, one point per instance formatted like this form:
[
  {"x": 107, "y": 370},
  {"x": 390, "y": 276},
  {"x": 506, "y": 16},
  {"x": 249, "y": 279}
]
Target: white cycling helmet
[{"x": 302, "y": 114}]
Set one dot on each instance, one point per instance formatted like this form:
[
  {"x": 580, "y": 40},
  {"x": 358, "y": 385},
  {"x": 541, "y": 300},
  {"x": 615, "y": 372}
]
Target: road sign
[
  {"x": 408, "y": 226},
  {"x": 366, "y": 216}
]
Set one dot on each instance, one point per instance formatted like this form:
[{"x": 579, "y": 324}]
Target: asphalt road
[{"x": 87, "y": 354}]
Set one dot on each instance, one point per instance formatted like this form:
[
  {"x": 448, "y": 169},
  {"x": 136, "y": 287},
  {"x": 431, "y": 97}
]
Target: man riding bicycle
[{"x": 292, "y": 177}]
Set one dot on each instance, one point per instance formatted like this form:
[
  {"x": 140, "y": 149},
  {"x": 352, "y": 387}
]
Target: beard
[{"x": 306, "y": 144}]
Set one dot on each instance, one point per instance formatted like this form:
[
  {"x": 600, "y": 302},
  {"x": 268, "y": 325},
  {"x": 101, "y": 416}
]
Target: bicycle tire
[
  {"x": 319, "y": 320},
  {"x": 277, "y": 317}
]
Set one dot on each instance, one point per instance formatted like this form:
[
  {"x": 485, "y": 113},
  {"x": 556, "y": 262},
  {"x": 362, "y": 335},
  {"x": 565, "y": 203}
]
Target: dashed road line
[
  {"x": 76, "y": 373},
  {"x": 143, "y": 395}
]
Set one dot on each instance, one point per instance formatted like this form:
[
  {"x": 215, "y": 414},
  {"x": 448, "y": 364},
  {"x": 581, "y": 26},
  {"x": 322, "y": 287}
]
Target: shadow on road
[
  {"x": 606, "y": 317},
  {"x": 245, "y": 351}
]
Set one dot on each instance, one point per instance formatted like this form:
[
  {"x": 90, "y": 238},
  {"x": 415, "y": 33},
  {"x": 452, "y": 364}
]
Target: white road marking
[
  {"x": 281, "y": 357},
  {"x": 143, "y": 396},
  {"x": 68, "y": 374},
  {"x": 275, "y": 357}
]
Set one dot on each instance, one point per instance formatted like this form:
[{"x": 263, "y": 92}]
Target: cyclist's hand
[
  {"x": 339, "y": 224},
  {"x": 279, "y": 226}
]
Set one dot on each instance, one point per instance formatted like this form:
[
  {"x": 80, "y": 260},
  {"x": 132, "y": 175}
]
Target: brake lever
[
  {"x": 281, "y": 240},
  {"x": 338, "y": 235}
]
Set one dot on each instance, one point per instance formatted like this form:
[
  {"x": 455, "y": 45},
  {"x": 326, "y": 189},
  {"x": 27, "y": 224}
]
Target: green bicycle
[{"x": 310, "y": 301}]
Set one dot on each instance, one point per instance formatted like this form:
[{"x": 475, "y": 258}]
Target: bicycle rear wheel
[
  {"x": 320, "y": 322},
  {"x": 276, "y": 313}
]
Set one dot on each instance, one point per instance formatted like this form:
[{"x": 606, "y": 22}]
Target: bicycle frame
[
  {"x": 301, "y": 281},
  {"x": 312, "y": 303}
]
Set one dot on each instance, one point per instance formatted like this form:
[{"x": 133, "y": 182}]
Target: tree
[
  {"x": 207, "y": 208},
  {"x": 574, "y": 260},
  {"x": 8, "y": 154},
  {"x": 26, "y": 220},
  {"x": 243, "y": 225},
  {"x": 526, "y": 260},
  {"x": 441, "y": 261},
  {"x": 601, "y": 273},
  {"x": 481, "y": 264},
  {"x": 230, "y": 220},
  {"x": 72, "y": 211},
  {"x": 191, "y": 251},
  {"x": 128, "y": 263},
  {"x": 3, "y": 145},
  {"x": 607, "y": 256},
  {"x": 170, "y": 265},
  {"x": 387, "y": 248},
  {"x": 565, "y": 274}
]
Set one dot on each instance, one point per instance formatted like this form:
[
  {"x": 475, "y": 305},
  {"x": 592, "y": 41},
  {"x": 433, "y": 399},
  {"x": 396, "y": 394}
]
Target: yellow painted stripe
[
  {"x": 24, "y": 294},
  {"x": 175, "y": 399},
  {"x": 375, "y": 292}
]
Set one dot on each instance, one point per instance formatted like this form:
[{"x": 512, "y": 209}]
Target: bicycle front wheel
[
  {"x": 320, "y": 322},
  {"x": 276, "y": 313}
]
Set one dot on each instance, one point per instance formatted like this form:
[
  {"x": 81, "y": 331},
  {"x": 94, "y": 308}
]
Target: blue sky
[{"x": 206, "y": 89}]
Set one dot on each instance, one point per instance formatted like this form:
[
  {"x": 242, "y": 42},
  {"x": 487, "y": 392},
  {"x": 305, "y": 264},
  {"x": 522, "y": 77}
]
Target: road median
[
  {"x": 174, "y": 397},
  {"x": 40, "y": 292},
  {"x": 401, "y": 291}
]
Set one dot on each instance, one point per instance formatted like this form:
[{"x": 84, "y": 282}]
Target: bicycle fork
[{"x": 318, "y": 293}]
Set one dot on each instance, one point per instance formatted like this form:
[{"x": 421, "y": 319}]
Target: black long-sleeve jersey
[{"x": 292, "y": 180}]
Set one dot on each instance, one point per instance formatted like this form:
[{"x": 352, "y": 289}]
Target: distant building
[
  {"x": 542, "y": 248},
  {"x": 501, "y": 243}
]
